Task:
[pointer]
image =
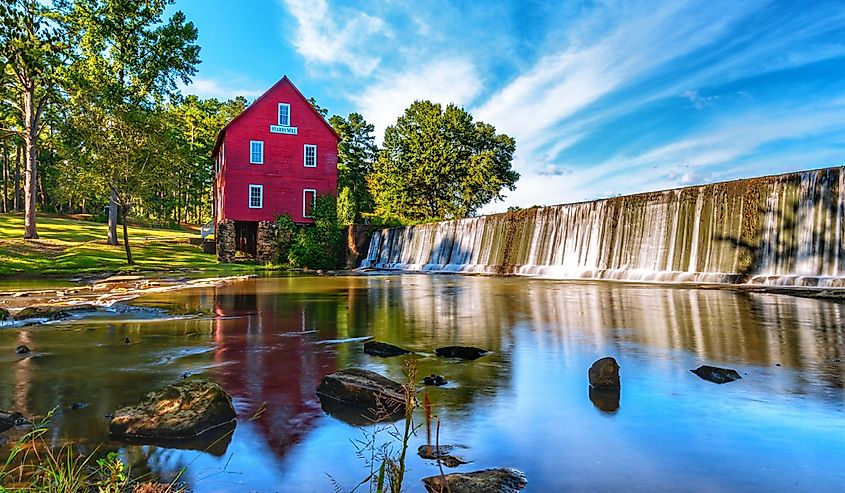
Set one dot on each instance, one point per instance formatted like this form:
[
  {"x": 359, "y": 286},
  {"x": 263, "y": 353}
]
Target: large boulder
[
  {"x": 363, "y": 389},
  {"x": 383, "y": 349},
  {"x": 501, "y": 480},
  {"x": 716, "y": 374},
  {"x": 4, "y": 315},
  {"x": 462, "y": 352},
  {"x": 52, "y": 312},
  {"x": 183, "y": 410},
  {"x": 604, "y": 374}
]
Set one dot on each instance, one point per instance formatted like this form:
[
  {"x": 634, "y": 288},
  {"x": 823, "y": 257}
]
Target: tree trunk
[
  {"x": 18, "y": 154},
  {"x": 31, "y": 172},
  {"x": 113, "y": 219},
  {"x": 5, "y": 176},
  {"x": 126, "y": 236}
]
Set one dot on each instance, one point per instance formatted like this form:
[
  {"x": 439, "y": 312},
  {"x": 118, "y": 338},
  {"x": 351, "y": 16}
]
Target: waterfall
[{"x": 775, "y": 230}]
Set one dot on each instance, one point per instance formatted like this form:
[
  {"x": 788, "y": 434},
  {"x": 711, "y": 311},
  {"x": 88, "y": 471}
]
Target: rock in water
[
  {"x": 443, "y": 453},
  {"x": 501, "y": 480},
  {"x": 9, "y": 419},
  {"x": 462, "y": 352},
  {"x": 606, "y": 400},
  {"x": 716, "y": 374},
  {"x": 604, "y": 374},
  {"x": 363, "y": 389},
  {"x": 22, "y": 349},
  {"x": 183, "y": 410},
  {"x": 4, "y": 314},
  {"x": 52, "y": 312},
  {"x": 383, "y": 349},
  {"x": 436, "y": 380}
]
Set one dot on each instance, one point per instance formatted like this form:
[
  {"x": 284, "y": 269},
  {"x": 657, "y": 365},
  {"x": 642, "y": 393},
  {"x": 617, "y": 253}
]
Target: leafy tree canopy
[
  {"x": 356, "y": 152},
  {"x": 439, "y": 163}
]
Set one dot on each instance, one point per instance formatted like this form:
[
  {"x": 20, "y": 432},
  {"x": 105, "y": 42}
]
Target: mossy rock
[
  {"x": 4, "y": 315},
  {"x": 52, "y": 312},
  {"x": 183, "y": 410},
  {"x": 363, "y": 389},
  {"x": 501, "y": 480}
]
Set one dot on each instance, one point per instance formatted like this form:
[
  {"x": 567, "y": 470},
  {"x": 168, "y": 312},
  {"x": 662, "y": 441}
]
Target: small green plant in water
[{"x": 386, "y": 464}]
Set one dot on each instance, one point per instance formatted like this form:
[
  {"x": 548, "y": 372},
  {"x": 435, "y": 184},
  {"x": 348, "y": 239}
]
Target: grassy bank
[{"x": 69, "y": 247}]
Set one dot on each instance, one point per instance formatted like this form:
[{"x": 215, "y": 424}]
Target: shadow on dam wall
[{"x": 774, "y": 230}]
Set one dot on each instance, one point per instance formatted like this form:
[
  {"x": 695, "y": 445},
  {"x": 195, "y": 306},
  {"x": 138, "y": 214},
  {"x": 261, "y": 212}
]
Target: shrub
[{"x": 315, "y": 246}]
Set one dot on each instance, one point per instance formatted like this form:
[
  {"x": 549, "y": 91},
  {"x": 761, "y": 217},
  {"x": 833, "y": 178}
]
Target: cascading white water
[{"x": 777, "y": 230}]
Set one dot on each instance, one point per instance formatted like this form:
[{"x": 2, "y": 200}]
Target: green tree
[
  {"x": 439, "y": 163},
  {"x": 130, "y": 59},
  {"x": 34, "y": 49},
  {"x": 196, "y": 123},
  {"x": 322, "y": 111},
  {"x": 356, "y": 152}
]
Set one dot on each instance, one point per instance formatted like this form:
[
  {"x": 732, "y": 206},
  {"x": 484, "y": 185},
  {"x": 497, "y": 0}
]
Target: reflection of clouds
[{"x": 711, "y": 324}]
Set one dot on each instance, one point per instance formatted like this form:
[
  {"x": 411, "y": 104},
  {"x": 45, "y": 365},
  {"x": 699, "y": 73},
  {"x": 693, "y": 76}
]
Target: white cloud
[
  {"x": 599, "y": 61},
  {"x": 213, "y": 88},
  {"x": 449, "y": 80},
  {"x": 698, "y": 101},
  {"x": 710, "y": 154},
  {"x": 335, "y": 36}
]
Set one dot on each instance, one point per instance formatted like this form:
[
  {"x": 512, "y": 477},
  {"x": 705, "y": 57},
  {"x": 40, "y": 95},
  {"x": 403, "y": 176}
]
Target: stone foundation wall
[
  {"x": 225, "y": 237},
  {"x": 265, "y": 246}
]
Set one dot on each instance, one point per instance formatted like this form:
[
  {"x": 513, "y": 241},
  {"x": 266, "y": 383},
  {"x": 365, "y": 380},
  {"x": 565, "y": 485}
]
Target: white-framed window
[
  {"x": 309, "y": 200},
  {"x": 284, "y": 114},
  {"x": 256, "y": 196},
  {"x": 310, "y": 154},
  {"x": 256, "y": 152}
]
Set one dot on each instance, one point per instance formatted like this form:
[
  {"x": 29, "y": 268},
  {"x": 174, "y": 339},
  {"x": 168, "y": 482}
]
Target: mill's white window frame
[
  {"x": 313, "y": 203},
  {"x": 279, "y": 114},
  {"x": 260, "y": 189},
  {"x": 305, "y": 149},
  {"x": 251, "y": 152}
]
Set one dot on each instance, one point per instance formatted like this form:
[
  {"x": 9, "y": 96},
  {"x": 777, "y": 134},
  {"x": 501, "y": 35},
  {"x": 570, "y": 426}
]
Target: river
[{"x": 526, "y": 405}]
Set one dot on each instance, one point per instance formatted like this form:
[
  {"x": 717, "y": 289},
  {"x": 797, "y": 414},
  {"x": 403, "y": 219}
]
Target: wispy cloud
[
  {"x": 733, "y": 147},
  {"x": 451, "y": 80},
  {"x": 336, "y": 35}
]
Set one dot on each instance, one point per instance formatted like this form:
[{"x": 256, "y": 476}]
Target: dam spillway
[{"x": 775, "y": 230}]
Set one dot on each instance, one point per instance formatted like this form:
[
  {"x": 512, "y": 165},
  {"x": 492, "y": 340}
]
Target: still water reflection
[{"x": 527, "y": 405}]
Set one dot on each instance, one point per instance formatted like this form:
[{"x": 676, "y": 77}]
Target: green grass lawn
[{"x": 68, "y": 247}]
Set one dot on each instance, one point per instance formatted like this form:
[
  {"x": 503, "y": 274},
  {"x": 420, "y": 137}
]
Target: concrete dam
[{"x": 782, "y": 230}]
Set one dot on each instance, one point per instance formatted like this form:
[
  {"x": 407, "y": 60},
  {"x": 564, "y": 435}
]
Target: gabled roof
[{"x": 252, "y": 105}]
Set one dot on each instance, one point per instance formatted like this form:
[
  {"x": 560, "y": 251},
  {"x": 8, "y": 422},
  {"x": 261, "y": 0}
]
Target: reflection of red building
[{"x": 266, "y": 363}]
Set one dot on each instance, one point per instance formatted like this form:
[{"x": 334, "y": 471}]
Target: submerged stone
[
  {"x": 443, "y": 453},
  {"x": 717, "y": 375},
  {"x": 363, "y": 389},
  {"x": 52, "y": 312},
  {"x": 9, "y": 419},
  {"x": 605, "y": 399},
  {"x": 604, "y": 374},
  {"x": 462, "y": 352},
  {"x": 500, "y": 480},
  {"x": 183, "y": 410},
  {"x": 436, "y": 380},
  {"x": 383, "y": 349}
]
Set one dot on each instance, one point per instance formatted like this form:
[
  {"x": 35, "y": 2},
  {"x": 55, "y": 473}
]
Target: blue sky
[{"x": 603, "y": 98}]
